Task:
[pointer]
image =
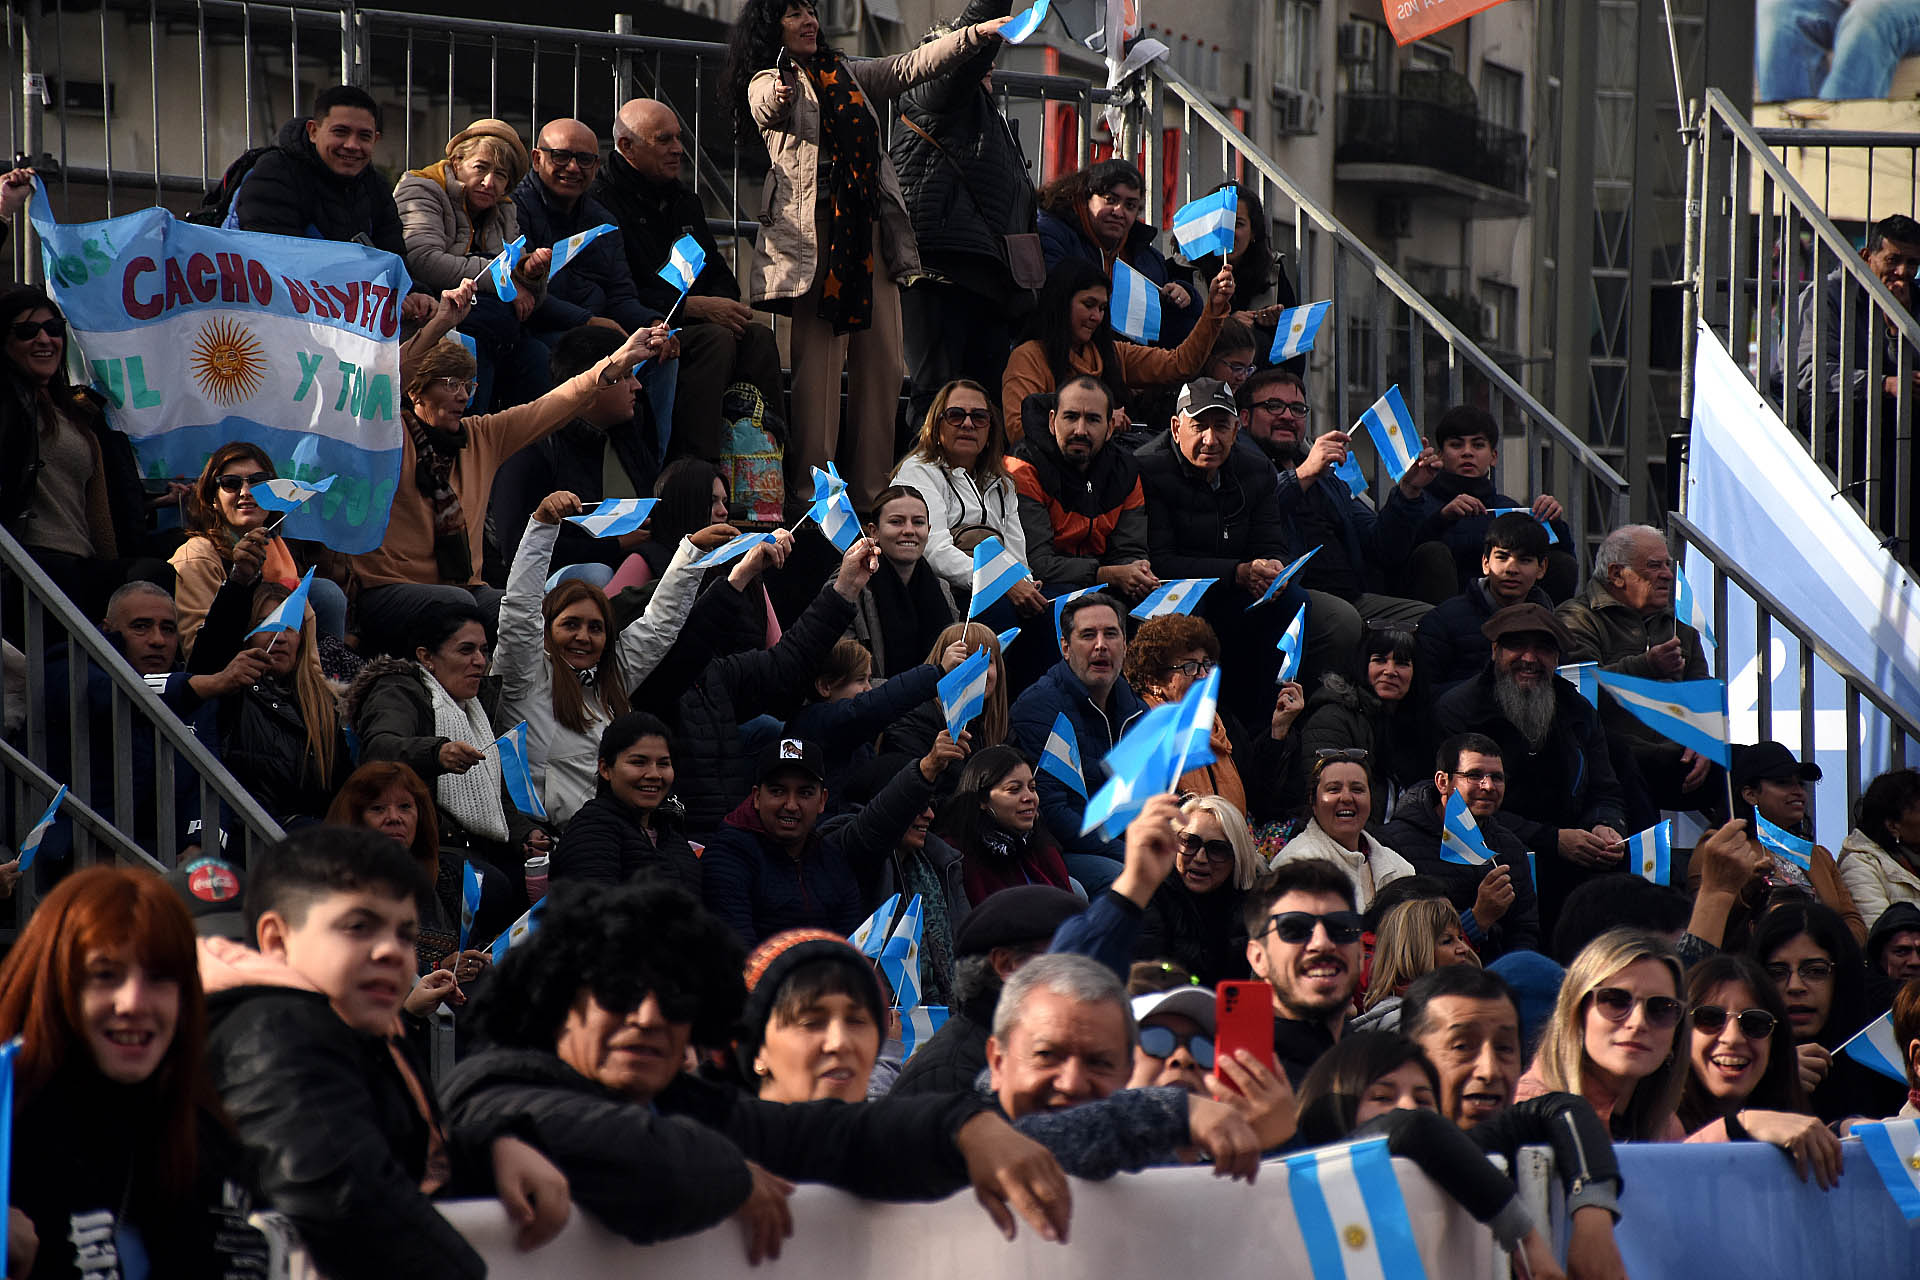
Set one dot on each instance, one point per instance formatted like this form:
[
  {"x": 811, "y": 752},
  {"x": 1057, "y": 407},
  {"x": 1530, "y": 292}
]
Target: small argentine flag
[
  {"x": 685, "y": 261},
  {"x": 826, "y": 484},
  {"x": 1296, "y": 331},
  {"x": 564, "y": 252},
  {"x": 963, "y": 691},
  {"x": 1690, "y": 608},
  {"x": 1026, "y": 23},
  {"x": 1394, "y": 435},
  {"x": 1580, "y": 676},
  {"x": 1779, "y": 840},
  {"x": 733, "y": 549},
  {"x": 1204, "y": 228},
  {"x": 502, "y": 267},
  {"x": 835, "y": 518},
  {"x": 1460, "y": 838},
  {"x": 1348, "y": 469},
  {"x": 1692, "y": 713},
  {"x": 918, "y": 1025},
  {"x": 871, "y": 936},
  {"x": 1135, "y": 309},
  {"x": 517, "y": 771},
  {"x": 1875, "y": 1046},
  {"x": 616, "y": 517},
  {"x": 900, "y": 957},
  {"x": 285, "y": 495},
  {"x": 1061, "y": 756},
  {"x": 1552, "y": 537},
  {"x": 1060, "y": 603},
  {"x": 469, "y": 901},
  {"x": 1894, "y": 1146},
  {"x": 1136, "y": 770},
  {"x": 1192, "y": 743},
  {"x": 1178, "y": 596},
  {"x": 1007, "y": 637},
  {"x": 995, "y": 570},
  {"x": 291, "y": 613},
  {"x": 1650, "y": 853},
  {"x": 519, "y": 931},
  {"x": 1351, "y": 1214},
  {"x": 8, "y": 1051},
  {"x": 30, "y": 847},
  {"x": 1293, "y": 642},
  {"x": 1281, "y": 579}
]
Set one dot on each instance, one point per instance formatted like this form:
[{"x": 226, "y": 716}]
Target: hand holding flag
[
  {"x": 30, "y": 847},
  {"x": 567, "y": 249},
  {"x": 615, "y": 517},
  {"x": 1650, "y": 853},
  {"x": 1460, "y": 838},
  {"x": 1025, "y": 23},
  {"x": 1134, "y": 309},
  {"x": 995, "y": 570},
  {"x": 501, "y": 269},
  {"x": 284, "y": 494},
  {"x": 1178, "y": 596},
  {"x": 1282, "y": 578},
  {"x": 1692, "y": 713}
]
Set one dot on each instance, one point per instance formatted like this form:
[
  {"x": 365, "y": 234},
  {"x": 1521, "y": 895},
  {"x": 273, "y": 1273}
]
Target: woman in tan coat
[{"x": 836, "y": 241}]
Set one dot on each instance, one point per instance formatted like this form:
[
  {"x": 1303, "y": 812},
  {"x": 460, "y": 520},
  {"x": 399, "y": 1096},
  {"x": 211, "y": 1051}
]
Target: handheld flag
[
  {"x": 616, "y": 517},
  {"x": 1136, "y": 772},
  {"x": 1296, "y": 330},
  {"x": 995, "y": 570},
  {"x": 873, "y": 931},
  {"x": 685, "y": 261},
  {"x": 1026, "y": 23},
  {"x": 1293, "y": 643},
  {"x": 1192, "y": 745},
  {"x": 469, "y": 901},
  {"x": 7, "y": 1054},
  {"x": 1650, "y": 853},
  {"x": 1007, "y": 637},
  {"x": 1779, "y": 840},
  {"x": 501, "y": 269},
  {"x": 1281, "y": 579},
  {"x": 1135, "y": 308},
  {"x": 1580, "y": 676},
  {"x": 1692, "y": 713},
  {"x": 1460, "y": 838},
  {"x": 564, "y": 252},
  {"x": 291, "y": 613},
  {"x": 1348, "y": 469},
  {"x": 732, "y": 550},
  {"x": 1394, "y": 435},
  {"x": 1552, "y": 537},
  {"x": 836, "y": 518},
  {"x": 1875, "y": 1046},
  {"x": 516, "y": 770},
  {"x": 519, "y": 931},
  {"x": 825, "y": 485},
  {"x": 30, "y": 847},
  {"x": 900, "y": 957},
  {"x": 1894, "y": 1146},
  {"x": 1060, "y": 604},
  {"x": 1690, "y": 608},
  {"x": 1178, "y": 596},
  {"x": 1204, "y": 227},
  {"x": 1061, "y": 756},
  {"x": 1352, "y": 1216},
  {"x": 963, "y": 691},
  {"x": 285, "y": 495},
  {"x": 918, "y": 1025}
]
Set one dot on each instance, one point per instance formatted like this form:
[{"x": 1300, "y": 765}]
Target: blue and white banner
[
  {"x": 615, "y": 517},
  {"x": 290, "y": 614},
  {"x": 1281, "y": 579},
  {"x": 1061, "y": 755},
  {"x": 1690, "y": 608},
  {"x": 1203, "y": 228},
  {"x": 1650, "y": 853},
  {"x": 1135, "y": 309},
  {"x": 1351, "y": 1213},
  {"x": 30, "y": 847},
  {"x": 1692, "y": 713},
  {"x": 516, "y": 770},
  {"x": 1026, "y": 22},
  {"x": 995, "y": 570},
  {"x": 1292, "y": 646},
  {"x": 1390, "y": 424},
  {"x": 836, "y": 519},
  {"x": 1793, "y": 848},
  {"x": 1581, "y": 676},
  {"x": 963, "y": 690},
  {"x": 1296, "y": 330},
  {"x": 1895, "y": 1149},
  {"x": 1460, "y": 838},
  {"x": 871, "y": 936},
  {"x": 198, "y": 337},
  {"x": 1876, "y": 1047},
  {"x": 470, "y": 879},
  {"x": 917, "y": 1026},
  {"x": 567, "y": 249},
  {"x": 1179, "y": 596}
]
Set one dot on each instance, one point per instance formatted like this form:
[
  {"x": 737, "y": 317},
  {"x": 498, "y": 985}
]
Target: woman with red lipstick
[{"x": 993, "y": 819}]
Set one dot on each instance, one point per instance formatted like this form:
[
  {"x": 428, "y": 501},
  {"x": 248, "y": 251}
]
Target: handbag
[{"x": 1021, "y": 251}]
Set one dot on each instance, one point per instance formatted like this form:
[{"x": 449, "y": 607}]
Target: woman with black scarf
[{"x": 906, "y": 606}]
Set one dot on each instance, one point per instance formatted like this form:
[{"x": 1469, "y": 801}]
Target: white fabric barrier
[{"x": 1181, "y": 1223}]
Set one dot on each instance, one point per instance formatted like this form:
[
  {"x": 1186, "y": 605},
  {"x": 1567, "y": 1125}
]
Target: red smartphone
[{"x": 1243, "y": 1019}]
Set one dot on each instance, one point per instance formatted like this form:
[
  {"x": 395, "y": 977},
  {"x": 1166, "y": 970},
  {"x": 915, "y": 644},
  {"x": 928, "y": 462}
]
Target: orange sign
[{"x": 1409, "y": 20}]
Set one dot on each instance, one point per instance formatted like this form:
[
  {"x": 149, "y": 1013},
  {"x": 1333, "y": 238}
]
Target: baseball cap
[
  {"x": 1204, "y": 394},
  {"x": 786, "y": 755},
  {"x": 212, "y": 888},
  {"x": 1770, "y": 760},
  {"x": 1189, "y": 1002}
]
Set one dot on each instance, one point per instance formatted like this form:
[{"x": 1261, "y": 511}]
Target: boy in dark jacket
[
  {"x": 305, "y": 1049},
  {"x": 1450, "y": 648}
]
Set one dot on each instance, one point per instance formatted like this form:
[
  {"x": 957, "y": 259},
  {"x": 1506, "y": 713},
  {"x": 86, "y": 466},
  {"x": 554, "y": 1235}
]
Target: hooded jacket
[
  {"x": 1077, "y": 522},
  {"x": 291, "y": 192},
  {"x": 1414, "y": 834},
  {"x": 1031, "y": 720}
]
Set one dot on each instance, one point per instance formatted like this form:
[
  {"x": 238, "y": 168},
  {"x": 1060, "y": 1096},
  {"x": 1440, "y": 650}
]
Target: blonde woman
[
  {"x": 1194, "y": 917},
  {"x": 1615, "y": 1036},
  {"x": 1414, "y": 938}
]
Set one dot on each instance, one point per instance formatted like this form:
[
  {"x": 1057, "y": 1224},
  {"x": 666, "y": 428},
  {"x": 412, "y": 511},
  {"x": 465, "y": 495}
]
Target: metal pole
[
  {"x": 1693, "y": 132},
  {"x": 32, "y": 85}
]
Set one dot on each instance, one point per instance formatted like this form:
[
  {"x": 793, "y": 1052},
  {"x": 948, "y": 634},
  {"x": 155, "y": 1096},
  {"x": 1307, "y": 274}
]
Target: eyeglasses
[
  {"x": 1810, "y": 971},
  {"x": 233, "y": 484},
  {"x": 1195, "y": 849},
  {"x": 958, "y": 417},
  {"x": 1239, "y": 370},
  {"x": 468, "y": 385},
  {"x": 1164, "y": 1042},
  {"x": 24, "y": 330},
  {"x": 1615, "y": 1003},
  {"x": 1296, "y": 927},
  {"x": 1482, "y": 775},
  {"x": 1283, "y": 408},
  {"x": 1195, "y": 667},
  {"x": 587, "y": 161},
  {"x": 1755, "y": 1024}
]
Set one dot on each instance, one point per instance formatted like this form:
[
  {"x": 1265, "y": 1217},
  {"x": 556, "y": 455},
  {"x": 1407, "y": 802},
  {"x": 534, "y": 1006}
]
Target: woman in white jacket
[
  {"x": 1880, "y": 858},
  {"x": 544, "y": 632},
  {"x": 958, "y": 465},
  {"x": 1342, "y": 803}
]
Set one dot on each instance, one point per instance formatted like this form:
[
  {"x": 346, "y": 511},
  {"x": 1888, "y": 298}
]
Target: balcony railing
[{"x": 1386, "y": 128}]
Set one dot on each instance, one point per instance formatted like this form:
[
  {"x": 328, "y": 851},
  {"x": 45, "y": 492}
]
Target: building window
[
  {"x": 1366, "y": 56},
  {"x": 1503, "y": 99},
  {"x": 1427, "y": 56},
  {"x": 1499, "y": 315},
  {"x": 1299, "y": 44}
]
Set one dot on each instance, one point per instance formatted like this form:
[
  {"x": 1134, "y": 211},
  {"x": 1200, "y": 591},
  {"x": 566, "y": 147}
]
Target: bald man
[
  {"x": 596, "y": 287},
  {"x": 720, "y": 342}
]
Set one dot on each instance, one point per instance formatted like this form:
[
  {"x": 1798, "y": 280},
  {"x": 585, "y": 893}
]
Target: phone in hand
[
  {"x": 783, "y": 64},
  {"x": 1243, "y": 1019}
]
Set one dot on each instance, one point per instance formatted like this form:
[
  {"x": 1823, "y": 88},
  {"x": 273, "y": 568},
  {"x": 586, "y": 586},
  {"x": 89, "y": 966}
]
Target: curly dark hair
[
  {"x": 1150, "y": 652},
  {"x": 620, "y": 944},
  {"x": 753, "y": 44}
]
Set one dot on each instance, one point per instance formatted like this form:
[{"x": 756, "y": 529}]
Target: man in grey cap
[{"x": 1563, "y": 798}]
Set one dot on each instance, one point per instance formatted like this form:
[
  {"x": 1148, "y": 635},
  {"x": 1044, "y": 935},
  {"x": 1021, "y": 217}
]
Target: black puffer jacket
[
  {"x": 1414, "y": 834},
  {"x": 1197, "y": 531},
  {"x": 1202, "y": 933},
  {"x": 119, "y": 469},
  {"x": 652, "y": 215},
  {"x": 291, "y": 192},
  {"x": 607, "y": 844}
]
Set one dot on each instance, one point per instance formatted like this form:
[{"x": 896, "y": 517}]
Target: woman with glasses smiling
[{"x": 1195, "y": 918}]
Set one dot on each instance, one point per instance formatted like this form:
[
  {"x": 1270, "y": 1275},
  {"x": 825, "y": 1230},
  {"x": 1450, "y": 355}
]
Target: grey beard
[{"x": 1530, "y": 710}]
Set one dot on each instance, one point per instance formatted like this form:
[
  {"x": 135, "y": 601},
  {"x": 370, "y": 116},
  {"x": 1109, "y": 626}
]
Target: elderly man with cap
[
  {"x": 1562, "y": 797},
  {"x": 1768, "y": 781},
  {"x": 768, "y": 870}
]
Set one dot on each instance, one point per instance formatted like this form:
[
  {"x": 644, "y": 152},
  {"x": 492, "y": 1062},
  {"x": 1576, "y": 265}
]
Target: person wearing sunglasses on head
[
  {"x": 1303, "y": 937},
  {"x": 1195, "y": 916},
  {"x": 1339, "y": 806}
]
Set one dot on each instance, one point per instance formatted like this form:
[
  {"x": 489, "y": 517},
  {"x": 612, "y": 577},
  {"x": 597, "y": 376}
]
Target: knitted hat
[
  {"x": 502, "y": 132},
  {"x": 774, "y": 961}
]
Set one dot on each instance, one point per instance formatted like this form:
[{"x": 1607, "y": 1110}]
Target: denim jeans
[{"x": 1866, "y": 38}]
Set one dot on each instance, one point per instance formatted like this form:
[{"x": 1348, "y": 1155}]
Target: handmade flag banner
[
  {"x": 1178, "y": 596},
  {"x": 1390, "y": 424},
  {"x": 1650, "y": 853},
  {"x": 1875, "y": 1046},
  {"x": 469, "y": 901},
  {"x": 1552, "y": 537},
  {"x": 1135, "y": 308},
  {"x": 1689, "y": 608},
  {"x": 1351, "y": 1214},
  {"x": 1348, "y": 469},
  {"x": 963, "y": 691},
  {"x": 1007, "y": 637},
  {"x": 995, "y": 570},
  {"x": 516, "y": 770},
  {"x": 900, "y": 957},
  {"x": 1026, "y": 22},
  {"x": 198, "y": 337},
  {"x": 290, "y": 614},
  {"x": 564, "y": 252},
  {"x": 519, "y": 931},
  {"x": 501, "y": 269},
  {"x": 685, "y": 261},
  {"x": 286, "y": 495},
  {"x": 30, "y": 847},
  {"x": 1281, "y": 579},
  {"x": 1061, "y": 756},
  {"x": 918, "y": 1025},
  {"x": 1692, "y": 713},
  {"x": 1296, "y": 329},
  {"x": 1060, "y": 603},
  {"x": 1793, "y": 848},
  {"x": 871, "y": 936},
  {"x": 616, "y": 517},
  {"x": 1293, "y": 643},
  {"x": 838, "y": 521},
  {"x": 1460, "y": 838},
  {"x": 1203, "y": 228},
  {"x": 1894, "y": 1146},
  {"x": 732, "y": 549},
  {"x": 1581, "y": 676}
]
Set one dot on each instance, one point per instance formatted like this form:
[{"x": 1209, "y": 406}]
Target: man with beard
[
  {"x": 1562, "y": 798},
  {"x": 1303, "y": 937}
]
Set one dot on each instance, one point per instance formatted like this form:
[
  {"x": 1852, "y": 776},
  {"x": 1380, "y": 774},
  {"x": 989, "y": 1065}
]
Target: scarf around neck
[
  {"x": 850, "y": 150},
  {"x": 434, "y": 453},
  {"x": 472, "y": 798}
]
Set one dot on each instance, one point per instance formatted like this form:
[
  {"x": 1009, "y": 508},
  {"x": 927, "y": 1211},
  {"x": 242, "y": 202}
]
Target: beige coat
[
  {"x": 442, "y": 249},
  {"x": 790, "y": 213},
  {"x": 1872, "y": 876}
]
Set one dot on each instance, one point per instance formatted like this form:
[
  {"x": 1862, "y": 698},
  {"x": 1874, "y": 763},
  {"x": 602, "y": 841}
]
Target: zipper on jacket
[{"x": 1583, "y": 1175}]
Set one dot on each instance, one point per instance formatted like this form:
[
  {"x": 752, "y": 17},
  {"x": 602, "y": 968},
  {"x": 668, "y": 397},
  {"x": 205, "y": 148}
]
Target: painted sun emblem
[
  {"x": 227, "y": 362},
  {"x": 1355, "y": 1236}
]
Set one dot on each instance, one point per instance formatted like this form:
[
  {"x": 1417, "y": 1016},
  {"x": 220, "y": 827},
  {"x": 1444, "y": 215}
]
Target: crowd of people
[{"x": 733, "y": 766}]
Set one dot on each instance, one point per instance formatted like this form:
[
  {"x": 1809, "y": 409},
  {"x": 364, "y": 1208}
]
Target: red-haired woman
[{"x": 119, "y": 1144}]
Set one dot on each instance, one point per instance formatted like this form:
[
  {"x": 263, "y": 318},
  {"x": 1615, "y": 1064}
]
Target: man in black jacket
[
  {"x": 1303, "y": 937},
  {"x": 597, "y": 284},
  {"x": 720, "y": 344}
]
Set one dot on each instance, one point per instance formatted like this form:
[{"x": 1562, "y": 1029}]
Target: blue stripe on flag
[
  {"x": 469, "y": 901},
  {"x": 1692, "y": 713},
  {"x": 1295, "y": 331},
  {"x": 1650, "y": 853},
  {"x": 732, "y": 549},
  {"x": 1793, "y": 848},
  {"x": 963, "y": 691},
  {"x": 1061, "y": 755},
  {"x": 1281, "y": 579},
  {"x": 1310, "y": 1213},
  {"x": 1460, "y": 838},
  {"x": 290, "y": 614},
  {"x": 871, "y": 936},
  {"x": 1580, "y": 676},
  {"x": 30, "y": 847},
  {"x": 1876, "y": 1047},
  {"x": 615, "y": 517},
  {"x": 1395, "y": 436},
  {"x": 1135, "y": 309},
  {"x": 1025, "y": 23},
  {"x": 1552, "y": 537},
  {"x": 1060, "y": 602},
  {"x": 1181, "y": 595},
  {"x": 501, "y": 269},
  {"x": 685, "y": 261},
  {"x": 1689, "y": 608},
  {"x": 565, "y": 251},
  {"x": 1895, "y": 1150},
  {"x": 516, "y": 770},
  {"x": 1386, "y": 1211},
  {"x": 1203, "y": 228},
  {"x": 1292, "y": 646},
  {"x": 995, "y": 570}
]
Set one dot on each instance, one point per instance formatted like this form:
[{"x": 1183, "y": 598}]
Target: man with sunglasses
[{"x": 1303, "y": 937}]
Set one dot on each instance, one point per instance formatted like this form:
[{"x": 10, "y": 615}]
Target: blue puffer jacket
[{"x": 1096, "y": 731}]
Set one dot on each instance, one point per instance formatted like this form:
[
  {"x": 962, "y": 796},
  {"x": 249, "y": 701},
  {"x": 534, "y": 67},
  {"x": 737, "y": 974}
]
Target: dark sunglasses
[
  {"x": 1164, "y": 1042},
  {"x": 1755, "y": 1024},
  {"x": 1296, "y": 927},
  {"x": 623, "y": 998},
  {"x": 24, "y": 330},
  {"x": 960, "y": 417},
  {"x": 233, "y": 484},
  {"x": 587, "y": 160},
  {"x": 1193, "y": 847},
  {"x": 1615, "y": 1003}
]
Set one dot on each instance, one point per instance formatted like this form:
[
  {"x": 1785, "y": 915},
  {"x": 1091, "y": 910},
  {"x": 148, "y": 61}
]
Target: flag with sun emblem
[
  {"x": 1353, "y": 1219},
  {"x": 198, "y": 336}
]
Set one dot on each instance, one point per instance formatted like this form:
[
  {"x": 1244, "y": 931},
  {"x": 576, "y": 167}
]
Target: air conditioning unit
[
  {"x": 1359, "y": 41},
  {"x": 1294, "y": 111},
  {"x": 840, "y": 17}
]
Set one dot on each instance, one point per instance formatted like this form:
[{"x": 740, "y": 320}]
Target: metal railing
[
  {"x": 1858, "y": 176},
  {"x": 1827, "y": 344},
  {"x": 1387, "y": 128}
]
